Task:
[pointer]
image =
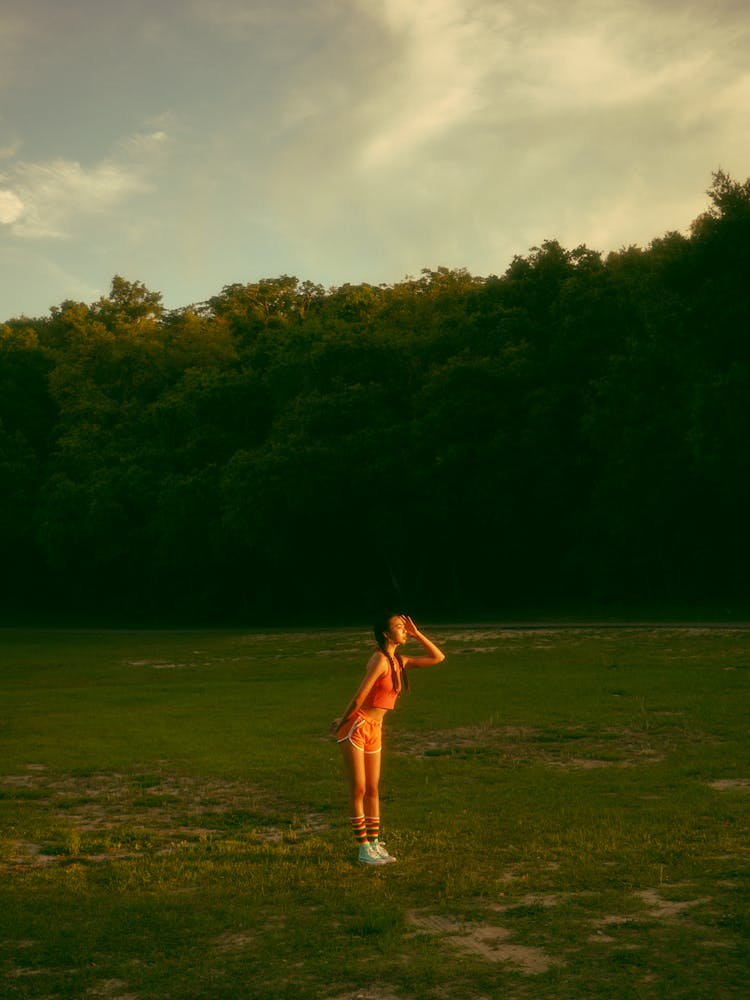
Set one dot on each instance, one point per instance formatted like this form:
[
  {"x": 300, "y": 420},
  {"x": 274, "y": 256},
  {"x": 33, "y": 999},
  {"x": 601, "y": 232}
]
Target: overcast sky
[{"x": 190, "y": 144}]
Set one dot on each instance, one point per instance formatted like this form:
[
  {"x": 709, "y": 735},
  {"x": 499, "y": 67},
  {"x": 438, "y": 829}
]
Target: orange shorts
[{"x": 362, "y": 732}]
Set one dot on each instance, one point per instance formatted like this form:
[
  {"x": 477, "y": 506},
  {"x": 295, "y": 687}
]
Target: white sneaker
[
  {"x": 382, "y": 853},
  {"x": 368, "y": 855}
]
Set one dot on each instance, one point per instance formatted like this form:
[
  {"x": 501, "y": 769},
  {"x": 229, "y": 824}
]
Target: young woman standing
[{"x": 359, "y": 729}]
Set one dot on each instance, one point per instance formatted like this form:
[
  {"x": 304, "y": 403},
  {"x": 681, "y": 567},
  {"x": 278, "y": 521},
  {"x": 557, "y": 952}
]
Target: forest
[{"x": 573, "y": 432}]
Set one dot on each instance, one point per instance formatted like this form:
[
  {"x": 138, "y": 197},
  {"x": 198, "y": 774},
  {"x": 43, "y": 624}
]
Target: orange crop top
[{"x": 383, "y": 694}]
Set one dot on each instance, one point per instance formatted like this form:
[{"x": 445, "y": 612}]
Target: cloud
[
  {"x": 360, "y": 139},
  {"x": 441, "y": 54},
  {"x": 11, "y": 207},
  {"x": 49, "y": 199},
  {"x": 468, "y": 130},
  {"x": 56, "y": 193},
  {"x": 457, "y": 63},
  {"x": 9, "y": 150}
]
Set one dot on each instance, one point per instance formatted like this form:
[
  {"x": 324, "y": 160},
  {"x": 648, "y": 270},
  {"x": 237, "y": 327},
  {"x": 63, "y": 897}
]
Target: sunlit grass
[{"x": 570, "y": 810}]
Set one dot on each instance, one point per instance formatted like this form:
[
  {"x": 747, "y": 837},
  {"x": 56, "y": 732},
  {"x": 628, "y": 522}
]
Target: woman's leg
[
  {"x": 354, "y": 768},
  {"x": 362, "y": 768},
  {"x": 372, "y": 806},
  {"x": 371, "y": 798}
]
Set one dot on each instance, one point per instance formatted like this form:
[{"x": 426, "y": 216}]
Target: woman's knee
[
  {"x": 370, "y": 789},
  {"x": 357, "y": 788},
  {"x": 357, "y": 783}
]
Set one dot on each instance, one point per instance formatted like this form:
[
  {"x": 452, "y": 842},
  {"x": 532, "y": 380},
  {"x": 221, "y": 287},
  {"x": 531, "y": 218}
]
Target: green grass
[{"x": 570, "y": 809}]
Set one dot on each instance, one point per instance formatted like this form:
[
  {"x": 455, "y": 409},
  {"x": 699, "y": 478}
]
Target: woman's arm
[
  {"x": 376, "y": 667},
  {"x": 434, "y": 655}
]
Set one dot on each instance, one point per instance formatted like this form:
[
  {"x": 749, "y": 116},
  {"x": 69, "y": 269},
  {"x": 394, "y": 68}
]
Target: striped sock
[
  {"x": 373, "y": 828},
  {"x": 359, "y": 828}
]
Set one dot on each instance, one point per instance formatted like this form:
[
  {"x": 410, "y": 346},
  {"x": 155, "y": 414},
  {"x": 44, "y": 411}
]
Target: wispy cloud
[
  {"x": 455, "y": 62},
  {"x": 9, "y": 150},
  {"x": 47, "y": 200},
  {"x": 468, "y": 130},
  {"x": 11, "y": 207},
  {"x": 356, "y": 139},
  {"x": 439, "y": 61}
]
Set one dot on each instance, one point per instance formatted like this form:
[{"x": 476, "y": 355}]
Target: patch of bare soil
[
  {"x": 28, "y": 854},
  {"x": 667, "y": 908},
  {"x": 373, "y": 993},
  {"x": 233, "y": 941},
  {"x": 566, "y": 748},
  {"x": 27, "y": 973},
  {"x": 731, "y": 784},
  {"x": 110, "y": 989},
  {"x": 124, "y": 814},
  {"x": 446, "y": 741},
  {"x": 545, "y": 900},
  {"x": 159, "y": 664},
  {"x": 485, "y": 941},
  {"x": 658, "y": 907},
  {"x": 481, "y": 635}
]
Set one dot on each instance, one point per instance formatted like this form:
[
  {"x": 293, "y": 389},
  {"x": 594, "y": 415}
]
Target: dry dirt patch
[
  {"x": 169, "y": 809},
  {"x": 565, "y": 748},
  {"x": 233, "y": 941},
  {"x": 544, "y": 900},
  {"x": 659, "y": 908},
  {"x": 28, "y": 854},
  {"x": 110, "y": 989},
  {"x": 731, "y": 784},
  {"x": 373, "y": 993},
  {"x": 667, "y": 908},
  {"x": 506, "y": 739},
  {"x": 485, "y": 941}
]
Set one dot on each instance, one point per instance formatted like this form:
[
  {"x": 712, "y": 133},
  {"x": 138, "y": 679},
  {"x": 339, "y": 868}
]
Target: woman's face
[{"x": 396, "y": 630}]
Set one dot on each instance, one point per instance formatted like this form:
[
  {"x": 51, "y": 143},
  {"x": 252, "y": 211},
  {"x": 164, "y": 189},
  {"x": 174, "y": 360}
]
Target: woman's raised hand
[{"x": 410, "y": 627}]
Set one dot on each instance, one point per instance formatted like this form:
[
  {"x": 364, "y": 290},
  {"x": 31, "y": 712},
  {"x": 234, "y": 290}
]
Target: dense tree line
[{"x": 576, "y": 429}]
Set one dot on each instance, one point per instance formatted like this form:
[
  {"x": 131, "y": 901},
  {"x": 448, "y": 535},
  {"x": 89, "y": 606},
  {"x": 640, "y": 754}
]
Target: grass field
[{"x": 570, "y": 810}]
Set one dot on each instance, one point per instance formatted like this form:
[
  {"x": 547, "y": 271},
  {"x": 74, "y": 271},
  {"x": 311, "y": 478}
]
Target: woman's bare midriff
[{"x": 374, "y": 713}]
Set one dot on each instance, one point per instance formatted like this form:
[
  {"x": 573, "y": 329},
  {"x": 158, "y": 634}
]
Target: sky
[{"x": 193, "y": 144}]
